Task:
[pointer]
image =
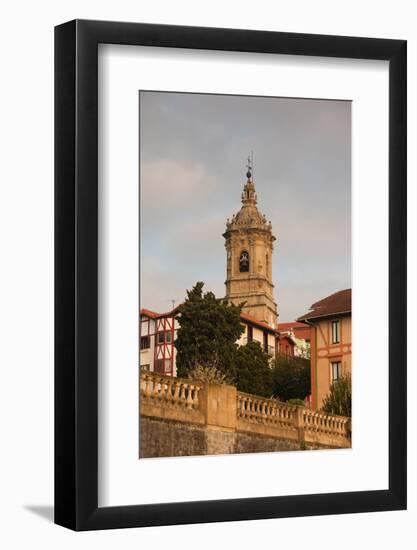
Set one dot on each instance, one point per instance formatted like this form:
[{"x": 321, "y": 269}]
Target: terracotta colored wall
[{"x": 325, "y": 353}]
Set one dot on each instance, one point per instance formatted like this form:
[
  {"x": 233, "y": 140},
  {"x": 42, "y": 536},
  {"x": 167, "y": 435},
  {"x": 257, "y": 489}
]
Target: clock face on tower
[{"x": 244, "y": 262}]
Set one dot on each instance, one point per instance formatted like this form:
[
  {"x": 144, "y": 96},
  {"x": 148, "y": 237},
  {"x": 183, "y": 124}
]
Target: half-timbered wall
[{"x": 157, "y": 350}]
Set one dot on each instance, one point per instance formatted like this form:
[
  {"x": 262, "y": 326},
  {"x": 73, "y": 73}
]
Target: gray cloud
[{"x": 193, "y": 149}]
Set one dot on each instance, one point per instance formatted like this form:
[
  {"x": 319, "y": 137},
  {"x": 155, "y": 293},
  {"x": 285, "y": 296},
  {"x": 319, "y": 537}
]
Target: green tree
[
  {"x": 209, "y": 329},
  {"x": 211, "y": 375},
  {"x": 253, "y": 373},
  {"x": 291, "y": 377},
  {"x": 339, "y": 400}
]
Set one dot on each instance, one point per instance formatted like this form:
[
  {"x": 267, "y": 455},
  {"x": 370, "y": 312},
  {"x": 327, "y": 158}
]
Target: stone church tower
[{"x": 249, "y": 247}]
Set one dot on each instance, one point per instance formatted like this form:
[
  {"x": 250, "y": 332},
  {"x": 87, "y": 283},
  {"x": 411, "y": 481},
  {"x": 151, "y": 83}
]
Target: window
[
  {"x": 168, "y": 337},
  {"x": 159, "y": 366},
  {"x": 145, "y": 368},
  {"x": 336, "y": 367},
  {"x": 244, "y": 262},
  {"x": 250, "y": 334},
  {"x": 265, "y": 342},
  {"x": 161, "y": 337},
  {"x": 335, "y": 332},
  {"x": 145, "y": 342}
]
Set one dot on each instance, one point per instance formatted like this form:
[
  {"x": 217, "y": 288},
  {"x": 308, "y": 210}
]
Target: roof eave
[{"x": 307, "y": 318}]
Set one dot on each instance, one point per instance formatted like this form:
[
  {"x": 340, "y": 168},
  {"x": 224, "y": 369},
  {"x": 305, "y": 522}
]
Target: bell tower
[{"x": 249, "y": 248}]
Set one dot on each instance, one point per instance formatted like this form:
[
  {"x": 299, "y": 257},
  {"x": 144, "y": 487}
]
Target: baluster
[
  {"x": 286, "y": 415},
  {"x": 159, "y": 389},
  {"x": 195, "y": 397},
  {"x": 142, "y": 384},
  {"x": 176, "y": 396},
  {"x": 239, "y": 405},
  {"x": 263, "y": 411},
  {"x": 259, "y": 407},
  {"x": 148, "y": 386},
  {"x": 189, "y": 403},
  {"x": 269, "y": 411},
  {"x": 305, "y": 420},
  {"x": 154, "y": 388},
  {"x": 182, "y": 394},
  {"x": 167, "y": 391},
  {"x": 274, "y": 413}
]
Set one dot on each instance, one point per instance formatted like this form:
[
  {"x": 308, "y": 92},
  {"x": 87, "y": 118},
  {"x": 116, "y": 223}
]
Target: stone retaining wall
[{"x": 181, "y": 417}]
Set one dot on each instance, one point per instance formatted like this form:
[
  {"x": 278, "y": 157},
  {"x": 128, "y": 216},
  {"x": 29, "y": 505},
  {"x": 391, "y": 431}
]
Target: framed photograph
[{"x": 230, "y": 284}]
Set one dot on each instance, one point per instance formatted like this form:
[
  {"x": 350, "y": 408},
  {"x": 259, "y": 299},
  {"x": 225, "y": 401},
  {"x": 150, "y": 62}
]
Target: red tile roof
[
  {"x": 154, "y": 315},
  {"x": 339, "y": 303},
  {"x": 300, "y": 330},
  {"x": 244, "y": 316},
  {"x": 255, "y": 321}
]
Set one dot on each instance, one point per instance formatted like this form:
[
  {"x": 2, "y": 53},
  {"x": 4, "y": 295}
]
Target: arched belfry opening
[{"x": 244, "y": 261}]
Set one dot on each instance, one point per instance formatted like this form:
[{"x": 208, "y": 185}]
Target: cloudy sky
[{"x": 193, "y": 151}]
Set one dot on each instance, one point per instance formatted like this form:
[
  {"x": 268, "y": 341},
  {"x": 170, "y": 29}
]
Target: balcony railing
[{"x": 270, "y": 350}]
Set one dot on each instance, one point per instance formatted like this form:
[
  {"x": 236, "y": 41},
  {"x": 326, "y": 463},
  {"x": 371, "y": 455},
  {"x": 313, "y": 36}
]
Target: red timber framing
[
  {"x": 145, "y": 327},
  {"x": 164, "y": 345}
]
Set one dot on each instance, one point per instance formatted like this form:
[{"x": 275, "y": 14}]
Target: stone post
[{"x": 218, "y": 403}]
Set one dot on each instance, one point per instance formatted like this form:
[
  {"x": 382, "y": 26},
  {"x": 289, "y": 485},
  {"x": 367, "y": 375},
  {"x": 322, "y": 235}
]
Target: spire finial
[
  {"x": 249, "y": 167},
  {"x": 249, "y": 195}
]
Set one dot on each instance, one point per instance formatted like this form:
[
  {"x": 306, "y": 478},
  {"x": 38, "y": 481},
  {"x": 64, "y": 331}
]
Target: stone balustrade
[
  {"x": 170, "y": 398},
  {"x": 177, "y": 392},
  {"x": 270, "y": 411},
  {"x": 321, "y": 427},
  {"x": 223, "y": 407}
]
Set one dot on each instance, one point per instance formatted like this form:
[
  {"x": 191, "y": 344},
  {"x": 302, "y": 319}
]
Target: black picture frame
[{"x": 76, "y": 272}]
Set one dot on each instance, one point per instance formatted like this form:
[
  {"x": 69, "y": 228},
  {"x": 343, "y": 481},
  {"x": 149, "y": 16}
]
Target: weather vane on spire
[{"x": 249, "y": 166}]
